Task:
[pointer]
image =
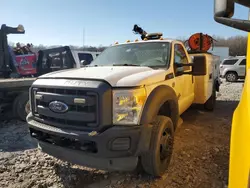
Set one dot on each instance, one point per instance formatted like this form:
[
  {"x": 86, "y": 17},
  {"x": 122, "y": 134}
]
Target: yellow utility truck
[
  {"x": 122, "y": 109},
  {"x": 239, "y": 166}
]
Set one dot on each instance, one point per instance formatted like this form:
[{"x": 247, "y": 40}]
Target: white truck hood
[{"x": 122, "y": 76}]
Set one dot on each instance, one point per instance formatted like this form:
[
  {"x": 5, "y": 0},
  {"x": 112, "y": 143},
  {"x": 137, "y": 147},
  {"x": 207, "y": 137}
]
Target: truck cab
[{"x": 123, "y": 108}]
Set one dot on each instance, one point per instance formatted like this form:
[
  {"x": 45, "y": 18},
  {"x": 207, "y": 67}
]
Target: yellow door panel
[{"x": 240, "y": 136}]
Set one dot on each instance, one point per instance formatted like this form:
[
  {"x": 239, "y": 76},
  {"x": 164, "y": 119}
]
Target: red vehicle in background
[
  {"x": 26, "y": 64},
  {"x": 25, "y": 60},
  {"x": 20, "y": 66}
]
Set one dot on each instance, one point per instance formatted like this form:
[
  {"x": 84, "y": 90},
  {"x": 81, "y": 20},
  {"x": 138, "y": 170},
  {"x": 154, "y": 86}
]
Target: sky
[{"x": 103, "y": 22}]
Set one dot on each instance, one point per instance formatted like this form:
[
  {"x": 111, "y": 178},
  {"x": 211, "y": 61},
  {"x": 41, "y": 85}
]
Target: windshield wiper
[{"x": 125, "y": 64}]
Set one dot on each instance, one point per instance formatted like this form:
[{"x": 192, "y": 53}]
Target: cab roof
[{"x": 146, "y": 41}]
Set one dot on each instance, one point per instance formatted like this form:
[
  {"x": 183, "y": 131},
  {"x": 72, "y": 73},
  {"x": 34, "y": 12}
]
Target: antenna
[{"x": 83, "y": 37}]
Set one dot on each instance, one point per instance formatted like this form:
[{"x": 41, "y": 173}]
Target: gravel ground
[{"x": 200, "y": 158}]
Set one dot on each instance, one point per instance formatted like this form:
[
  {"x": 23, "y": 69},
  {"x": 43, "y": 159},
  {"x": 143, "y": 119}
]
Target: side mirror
[
  {"x": 180, "y": 68},
  {"x": 199, "y": 66},
  {"x": 224, "y": 10},
  {"x": 178, "y": 65},
  {"x": 243, "y": 2}
]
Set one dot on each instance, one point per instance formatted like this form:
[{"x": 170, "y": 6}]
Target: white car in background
[
  {"x": 84, "y": 57},
  {"x": 233, "y": 68}
]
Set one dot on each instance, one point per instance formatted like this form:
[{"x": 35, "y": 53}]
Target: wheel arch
[
  {"x": 161, "y": 101},
  {"x": 231, "y": 71}
]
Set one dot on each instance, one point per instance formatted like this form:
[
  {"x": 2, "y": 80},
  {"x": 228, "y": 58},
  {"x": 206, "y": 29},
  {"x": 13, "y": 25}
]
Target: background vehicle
[
  {"x": 233, "y": 68},
  {"x": 14, "y": 95},
  {"x": 239, "y": 166},
  {"x": 85, "y": 57},
  {"x": 55, "y": 59},
  {"x": 24, "y": 59},
  {"x": 8, "y": 63},
  {"x": 26, "y": 65},
  {"x": 125, "y": 106}
]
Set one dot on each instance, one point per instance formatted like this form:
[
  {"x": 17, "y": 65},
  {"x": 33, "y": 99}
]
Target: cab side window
[{"x": 180, "y": 57}]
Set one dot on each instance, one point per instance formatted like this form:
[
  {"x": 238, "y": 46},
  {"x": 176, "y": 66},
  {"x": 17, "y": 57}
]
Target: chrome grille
[{"x": 79, "y": 115}]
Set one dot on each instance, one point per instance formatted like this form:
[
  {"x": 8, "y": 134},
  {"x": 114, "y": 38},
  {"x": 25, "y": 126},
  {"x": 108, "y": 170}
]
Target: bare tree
[{"x": 237, "y": 44}]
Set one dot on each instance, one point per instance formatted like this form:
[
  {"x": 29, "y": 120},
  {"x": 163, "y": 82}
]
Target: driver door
[{"x": 185, "y": 82}]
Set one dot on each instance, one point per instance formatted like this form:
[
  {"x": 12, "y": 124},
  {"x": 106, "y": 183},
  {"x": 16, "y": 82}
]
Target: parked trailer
[
  {"x": 14, "y": 96},
  {"x": 14, "y": 92}
]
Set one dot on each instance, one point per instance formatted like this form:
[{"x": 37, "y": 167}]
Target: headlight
[{"x": 128, "y": 105}]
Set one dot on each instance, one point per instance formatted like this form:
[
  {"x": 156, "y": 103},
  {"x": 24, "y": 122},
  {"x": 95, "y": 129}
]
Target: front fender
[{"x": 156, "y": 99}]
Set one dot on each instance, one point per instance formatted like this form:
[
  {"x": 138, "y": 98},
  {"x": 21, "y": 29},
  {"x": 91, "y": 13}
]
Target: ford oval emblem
[{"x": 58, "y": 107}]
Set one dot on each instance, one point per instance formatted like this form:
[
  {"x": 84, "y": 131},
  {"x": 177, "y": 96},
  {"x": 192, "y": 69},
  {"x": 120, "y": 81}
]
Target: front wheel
[
  {"x": 231, "y": 77},
  {"x": 21, "y": 106},
  {"x": 157, "y": 159}
]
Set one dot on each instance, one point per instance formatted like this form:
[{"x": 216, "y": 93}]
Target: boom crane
[
  {"x": 5, "y": 66},
  {"x": 145, "y": 35}
]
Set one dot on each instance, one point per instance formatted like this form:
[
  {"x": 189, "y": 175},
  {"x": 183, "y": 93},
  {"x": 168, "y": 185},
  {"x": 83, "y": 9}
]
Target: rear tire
[
  {"x": 231, "y": 77},
  {"x": 211, "y": 102},
  {"x": 21, "y": 106},
  {"x": 156, "y": 160}
]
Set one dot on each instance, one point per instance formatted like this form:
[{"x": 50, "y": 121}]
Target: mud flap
[
  {"x": 180, "y": 121},
  {"x": 217, "y": 85},
  {"x": 145, "y": 138}
]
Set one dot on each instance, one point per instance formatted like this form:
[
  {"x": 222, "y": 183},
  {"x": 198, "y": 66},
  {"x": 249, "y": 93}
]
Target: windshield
[{"x": 136, "y": 54}]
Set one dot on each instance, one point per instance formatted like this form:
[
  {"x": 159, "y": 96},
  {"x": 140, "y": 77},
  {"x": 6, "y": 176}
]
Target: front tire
[
  {"x": 156, "y": 160},
  {"x": 21, "y": 106},
  {"x": 231, "y": 77}
]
